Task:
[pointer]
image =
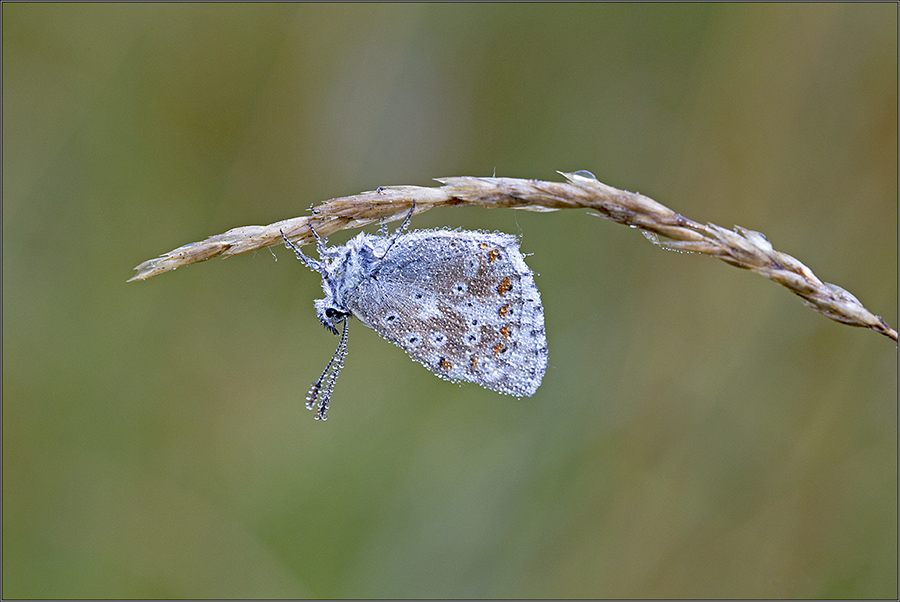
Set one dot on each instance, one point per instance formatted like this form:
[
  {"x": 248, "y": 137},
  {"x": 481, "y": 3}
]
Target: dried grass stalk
[{"x": 741, "y": 248}]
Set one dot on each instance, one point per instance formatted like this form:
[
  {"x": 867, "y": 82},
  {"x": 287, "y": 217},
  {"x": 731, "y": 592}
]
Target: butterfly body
[{"x": 462, "y": 303}]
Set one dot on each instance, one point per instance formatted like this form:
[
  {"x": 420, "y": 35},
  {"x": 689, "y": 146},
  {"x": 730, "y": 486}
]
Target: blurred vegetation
[{"x": 698, "y": 433}]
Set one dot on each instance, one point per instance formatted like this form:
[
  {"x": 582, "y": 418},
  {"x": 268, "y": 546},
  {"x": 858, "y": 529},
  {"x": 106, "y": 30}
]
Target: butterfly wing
[{"x": 463, "y": 304}]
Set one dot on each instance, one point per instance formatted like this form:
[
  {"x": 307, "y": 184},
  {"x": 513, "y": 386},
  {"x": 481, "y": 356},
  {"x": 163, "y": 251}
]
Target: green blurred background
[{"x": 699, "y": 432}]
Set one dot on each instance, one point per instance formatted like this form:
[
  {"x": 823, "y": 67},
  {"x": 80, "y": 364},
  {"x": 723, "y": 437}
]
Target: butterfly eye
[{"x": 330, "y": 313}]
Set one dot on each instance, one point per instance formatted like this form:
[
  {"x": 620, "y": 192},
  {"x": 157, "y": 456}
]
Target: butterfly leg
[
  {"x": 390, "y": 243},
  {"x": 308, "y": 261},
  {"x": 405, "y": 223}
]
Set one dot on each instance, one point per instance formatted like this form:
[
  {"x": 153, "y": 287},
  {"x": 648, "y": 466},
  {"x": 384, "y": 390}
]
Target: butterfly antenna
[{"x": 318, "y": 396}]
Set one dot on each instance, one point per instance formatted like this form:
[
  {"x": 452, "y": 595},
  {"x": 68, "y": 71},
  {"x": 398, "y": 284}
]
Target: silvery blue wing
[{"x": 463, "y": 304}]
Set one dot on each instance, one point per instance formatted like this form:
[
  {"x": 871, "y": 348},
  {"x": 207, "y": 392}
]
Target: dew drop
[{"x": 380, "y": 250}]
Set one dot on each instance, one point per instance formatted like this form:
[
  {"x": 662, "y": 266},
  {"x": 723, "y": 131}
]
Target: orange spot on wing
[{"x": 504, "y": 286}]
